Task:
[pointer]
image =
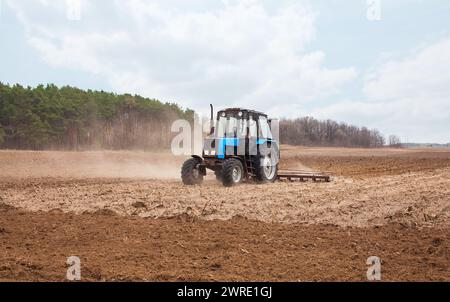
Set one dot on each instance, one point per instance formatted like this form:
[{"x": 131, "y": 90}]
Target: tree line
[
  {"x": 307, "y": 131},
  {"x": 68, "y": 118},
  {"x": 49, "y": 117}
]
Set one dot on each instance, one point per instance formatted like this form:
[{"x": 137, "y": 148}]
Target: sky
[{"x": 383, "y": 64}]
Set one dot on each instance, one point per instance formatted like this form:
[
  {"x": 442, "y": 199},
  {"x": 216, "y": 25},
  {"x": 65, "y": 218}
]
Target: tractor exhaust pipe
[{"x": 212, "y": 119}]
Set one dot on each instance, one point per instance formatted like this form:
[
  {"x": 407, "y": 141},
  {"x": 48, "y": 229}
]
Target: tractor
[{"x": 240, "y": 147}]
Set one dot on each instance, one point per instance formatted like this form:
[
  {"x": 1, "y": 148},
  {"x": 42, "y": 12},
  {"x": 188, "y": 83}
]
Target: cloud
[
  {"x": 235, "y": 53},
  {"x": 239, "y": 53},
  {"x": 425, "y": 74},
  {"x": 409, "y": 97}
]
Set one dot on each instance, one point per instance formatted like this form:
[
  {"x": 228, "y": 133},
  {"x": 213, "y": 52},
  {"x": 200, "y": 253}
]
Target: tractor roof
[{"x": 233, "y": 110}]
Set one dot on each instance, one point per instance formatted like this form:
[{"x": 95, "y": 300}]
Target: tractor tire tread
[
  {"x": 227, "y": 171},
  {"x": 186, "y": 173}
]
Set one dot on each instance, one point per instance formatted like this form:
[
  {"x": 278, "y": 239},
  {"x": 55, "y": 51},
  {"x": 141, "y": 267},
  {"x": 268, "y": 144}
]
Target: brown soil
[
  {"x": 358, "y": 163},
  {"x": 126, "y": 215},
  {"x": 36, "y": 247}
]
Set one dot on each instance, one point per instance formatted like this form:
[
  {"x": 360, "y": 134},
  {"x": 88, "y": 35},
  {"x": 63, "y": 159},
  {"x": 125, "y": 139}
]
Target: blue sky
[{"x": 323, "y": 58}]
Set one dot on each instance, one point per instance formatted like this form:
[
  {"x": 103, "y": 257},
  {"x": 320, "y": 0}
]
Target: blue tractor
[{"x": 240, "y": 147}]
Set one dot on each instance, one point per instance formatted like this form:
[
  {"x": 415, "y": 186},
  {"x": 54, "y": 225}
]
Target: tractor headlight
[{"x": 210, "y": 152}]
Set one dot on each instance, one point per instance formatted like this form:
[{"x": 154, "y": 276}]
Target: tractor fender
[
  {"x": 197, "y": 157},
  {"x": 240, "y": 158}
]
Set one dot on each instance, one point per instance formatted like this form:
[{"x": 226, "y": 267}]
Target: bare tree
[
  {"x": 308, "y": 131},
  {"x": 394, "y": 141}
]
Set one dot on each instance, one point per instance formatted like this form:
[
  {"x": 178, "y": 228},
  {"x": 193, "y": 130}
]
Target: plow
[{"x": 241, "y": 147}]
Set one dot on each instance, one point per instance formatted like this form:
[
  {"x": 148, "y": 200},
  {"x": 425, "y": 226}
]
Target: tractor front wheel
[
  {"x": 232, "y": 172},
  {"x": 190, "y": 173}
]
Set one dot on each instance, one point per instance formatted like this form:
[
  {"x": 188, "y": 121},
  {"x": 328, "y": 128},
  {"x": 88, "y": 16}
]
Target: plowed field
[{"x": 127, "y": 216}]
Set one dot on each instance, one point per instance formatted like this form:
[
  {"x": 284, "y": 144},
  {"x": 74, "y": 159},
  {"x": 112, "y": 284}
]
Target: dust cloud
[{"x": 95, "y": 164}]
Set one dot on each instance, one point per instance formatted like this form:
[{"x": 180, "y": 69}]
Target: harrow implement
[{"x": 303, "y": 176}]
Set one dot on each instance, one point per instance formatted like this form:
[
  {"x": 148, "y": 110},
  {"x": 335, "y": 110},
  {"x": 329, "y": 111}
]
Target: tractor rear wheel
[
  {"x": 232, "y": 172},
  {"x": 265, "y": 169},
  {"x": 190, "y": 173}
]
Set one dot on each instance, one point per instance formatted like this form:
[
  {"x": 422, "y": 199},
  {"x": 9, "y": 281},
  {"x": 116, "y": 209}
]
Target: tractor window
[
  {"x": 221, "y": 126},
  {"x": 242, "y": 128},
  {"x": 264, "y": 128},
  {"x": 232, "y": 127},
  {"x": 252, "y": 127}
]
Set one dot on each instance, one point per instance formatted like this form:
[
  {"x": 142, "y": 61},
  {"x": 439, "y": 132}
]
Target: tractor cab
[{"x": 237, "y": 132}]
